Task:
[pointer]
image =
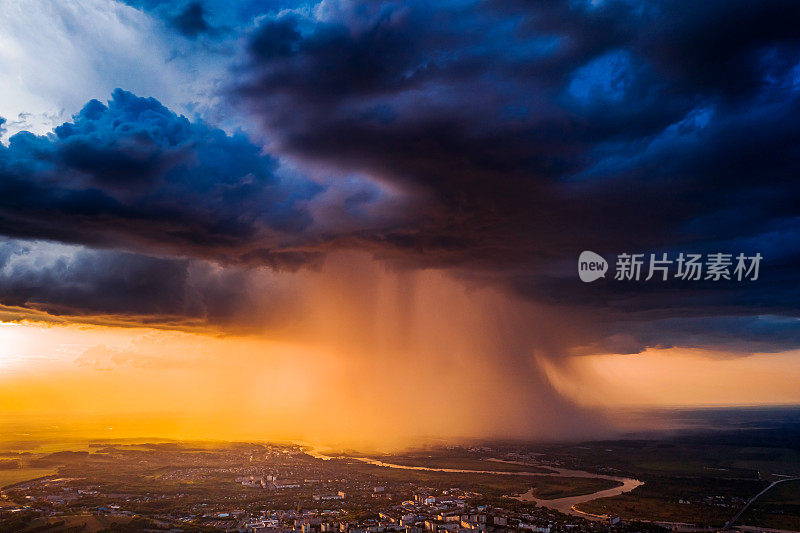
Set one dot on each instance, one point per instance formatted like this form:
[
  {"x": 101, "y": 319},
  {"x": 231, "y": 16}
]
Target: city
[{"x": 486, "y": 487}]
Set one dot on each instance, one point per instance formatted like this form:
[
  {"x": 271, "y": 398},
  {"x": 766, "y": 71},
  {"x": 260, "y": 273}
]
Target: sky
[{"x": 359, "y": 222}]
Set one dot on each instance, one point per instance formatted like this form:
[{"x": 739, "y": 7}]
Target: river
[{"x": 564, "y": 505}]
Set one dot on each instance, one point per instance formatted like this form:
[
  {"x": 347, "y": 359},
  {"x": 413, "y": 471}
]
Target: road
[{"x": 738, "y": 515}]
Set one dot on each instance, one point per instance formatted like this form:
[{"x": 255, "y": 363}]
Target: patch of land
[
  {"x": 440, "y": 460},
  {"x": 779, "y": 508},
  {"x": 702, "y": 500},
  {"x": 18, "y": 475},
  {"x": 492, "y": 485},
  {"x": 85, "y": 523}
]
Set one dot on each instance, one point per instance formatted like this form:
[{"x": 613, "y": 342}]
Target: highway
[{"x": 738, "y": 515}]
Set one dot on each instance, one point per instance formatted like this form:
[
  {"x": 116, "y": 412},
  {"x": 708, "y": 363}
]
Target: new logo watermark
[
  {"x": 591, "y": 266},
  {"x": 663, "y": 267}
]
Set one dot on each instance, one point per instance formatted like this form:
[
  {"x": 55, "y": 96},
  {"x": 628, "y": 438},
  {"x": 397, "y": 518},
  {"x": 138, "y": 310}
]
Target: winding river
[{"x": 564, "y": 505}]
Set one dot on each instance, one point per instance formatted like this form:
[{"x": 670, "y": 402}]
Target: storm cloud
[
  {"x": 532, "y": 131},
  {"x": 517, "y": 134},
  {"x": 548, "y": 126},
  {"x": 121, "y": 288},
  {"x": 133, "y": 174}
]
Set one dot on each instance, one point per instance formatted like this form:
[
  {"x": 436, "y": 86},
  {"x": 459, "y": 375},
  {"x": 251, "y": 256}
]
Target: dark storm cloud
[
  {"x": 216, "y": 19},
  {"x": 191, "y": 21},
  {"x": 534, "y": 130},
  {"x": 135, "y": 175},
  {"x": 120, "y": 287},
  {"x": 523, "y": 132}
]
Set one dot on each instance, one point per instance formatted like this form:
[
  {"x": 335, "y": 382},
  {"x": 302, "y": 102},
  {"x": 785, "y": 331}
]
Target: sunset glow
[{"x": 375, "y": 224}]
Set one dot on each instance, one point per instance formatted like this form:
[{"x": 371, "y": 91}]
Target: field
[
  {"x": 777, "y": 509},
  {"x": 443, "y": 460},
  {"x": 700, "y": 500},
  {"x": 85, "y": 523},
  {"x": 9, "y": 477}
]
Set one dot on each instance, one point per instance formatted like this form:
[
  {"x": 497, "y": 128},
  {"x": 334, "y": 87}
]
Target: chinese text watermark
[{"x": 663, "y": 267}]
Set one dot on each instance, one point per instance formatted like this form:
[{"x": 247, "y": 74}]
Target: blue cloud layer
[{"x": 136, "y": 175}]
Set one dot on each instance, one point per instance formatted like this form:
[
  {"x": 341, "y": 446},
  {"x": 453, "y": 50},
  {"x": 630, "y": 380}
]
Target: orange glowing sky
[{"x": 375, "y": 358}]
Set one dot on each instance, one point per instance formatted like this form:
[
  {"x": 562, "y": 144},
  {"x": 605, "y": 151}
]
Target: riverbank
[{"x": 564, "y": 505}]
